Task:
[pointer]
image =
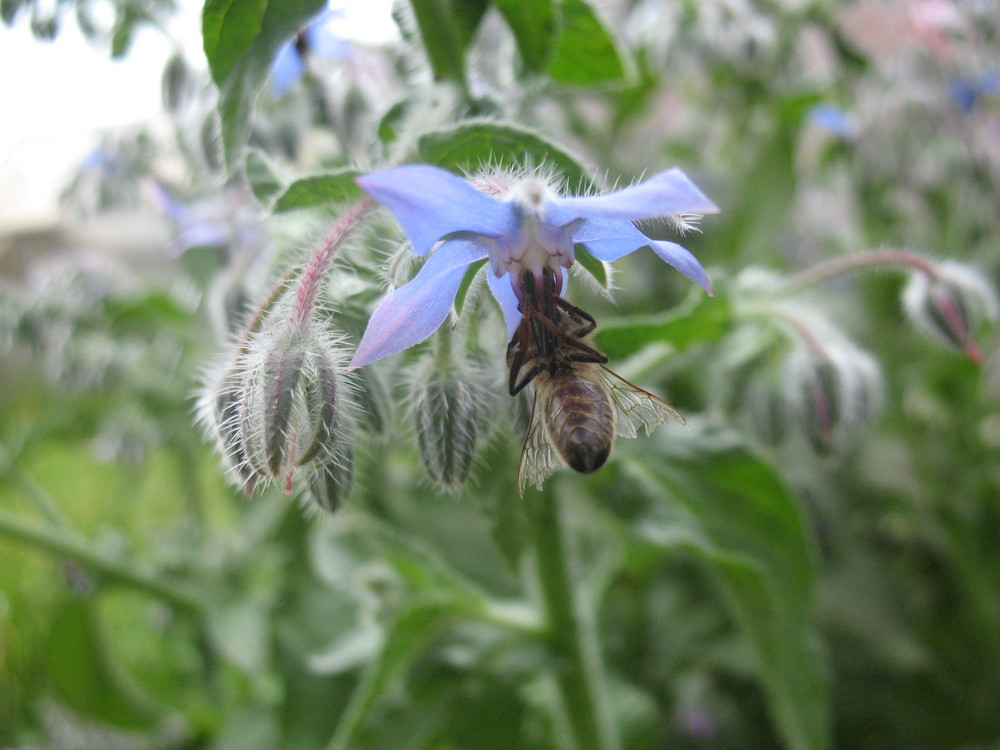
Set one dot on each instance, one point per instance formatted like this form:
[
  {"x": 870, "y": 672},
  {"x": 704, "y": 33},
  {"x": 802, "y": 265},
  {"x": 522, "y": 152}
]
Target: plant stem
[
  {"x": 315, "y": 270},
  {"x": 845, "y": 263},
  {"x": 60, "y": 542},
  {"x": 571, "y": 629}
]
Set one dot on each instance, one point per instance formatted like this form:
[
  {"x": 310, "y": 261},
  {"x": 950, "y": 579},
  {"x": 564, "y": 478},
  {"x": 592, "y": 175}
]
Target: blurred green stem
[
  {"x": 41, "y": 500},
  {"x": 845, "y": 263},
  {"x": 572, "y": 630},
  {"x": 65, "y": 544}
]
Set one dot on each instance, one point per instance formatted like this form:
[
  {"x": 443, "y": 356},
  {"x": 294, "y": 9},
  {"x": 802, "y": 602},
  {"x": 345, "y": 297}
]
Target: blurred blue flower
[
  {"x": 967, "y": 92},
  {"x": 226, "y": 220},
  {"x": 520, "y": 225},
  {"x": 316, "y": 38},
  {"x": 833, "y": 119}
]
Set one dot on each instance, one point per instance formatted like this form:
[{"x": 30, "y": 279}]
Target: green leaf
[
  {"x": 446, "y": 28},
  {"x": 472, "y": 145},
  {"x": 86, "y": 676},
  {"x": 593, "y": 266},
  {"x": 408, "y": 634},
  {"x": 534, "y": 27},
  {"x": 240, "y": 38},
  {"x": 585, "y": 52},
  {"x": 389, "y": 125},
  {"x": 463, "y": 289},
  {"x": 699, "y": 319},
  {"x": 264, "y": 183},
  {"x": 241, "y": 633},
  {"x": 716, "y": 499},
  {"x": 319, "y": 190}
]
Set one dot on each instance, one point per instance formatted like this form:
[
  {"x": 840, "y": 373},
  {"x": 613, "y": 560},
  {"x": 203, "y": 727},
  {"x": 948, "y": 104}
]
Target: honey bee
[{"x": 579, "y": 404}]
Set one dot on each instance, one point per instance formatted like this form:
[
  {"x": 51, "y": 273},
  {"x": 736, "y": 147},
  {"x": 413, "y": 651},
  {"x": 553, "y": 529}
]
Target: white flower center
[{"x": 535, "y": 245}]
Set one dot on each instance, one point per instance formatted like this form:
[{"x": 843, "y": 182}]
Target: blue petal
[
  {"x": 610, "y": 240},
  {"x": 286, "y": 69},
  {"x": 682, "y": 259},
  {"x": 666, "y": 193},
  {"x": 323, "y": 38},
  {"x": 504, "y": 294},
  {"x": 430, "y": 203},
  {"x": 409, "y": 314}
]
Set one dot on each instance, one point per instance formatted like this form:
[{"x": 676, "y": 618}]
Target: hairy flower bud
[
  {"x": 833, "y": 391},
  {"x": 951, "y": 305},
  {"x": 330, "y": 485},
  {"x": 447, "y": 412},
  {"x": 283, "y": 406}
]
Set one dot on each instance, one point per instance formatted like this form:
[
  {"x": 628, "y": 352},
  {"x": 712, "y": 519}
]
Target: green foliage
[
  {"x": 84, "y": 673},
  {"x": 446, "y": 29},
  {"x": 473, "y": 145},
  {"x": 585, "y": 51},
  {"x": 241, "y": 38},
  {"x": 319, "y": 190},
  {"x": 736, "y": 514}
]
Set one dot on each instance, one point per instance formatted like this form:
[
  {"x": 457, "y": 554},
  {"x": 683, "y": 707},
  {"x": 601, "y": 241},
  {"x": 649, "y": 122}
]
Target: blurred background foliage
[{"x": 762, "y": 579}]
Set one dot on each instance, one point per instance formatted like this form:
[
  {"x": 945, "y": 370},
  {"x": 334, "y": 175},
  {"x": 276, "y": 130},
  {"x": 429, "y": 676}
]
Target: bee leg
[
  {"x": 517, "y": 382},
  {"x": 580, "y": 316}
]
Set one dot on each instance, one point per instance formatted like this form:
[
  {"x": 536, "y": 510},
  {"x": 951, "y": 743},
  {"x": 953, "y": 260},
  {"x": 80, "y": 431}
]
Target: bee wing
[
  {"x": 636, "y": 407},
  {"x": 538, "y": 459}
]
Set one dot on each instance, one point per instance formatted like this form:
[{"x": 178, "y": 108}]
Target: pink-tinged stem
[
  {"x": 845, "y": 263},
  {"x": 312, "y": 276}
]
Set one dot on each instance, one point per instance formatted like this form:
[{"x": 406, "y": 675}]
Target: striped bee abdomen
[{"x": 580, "y": 420}]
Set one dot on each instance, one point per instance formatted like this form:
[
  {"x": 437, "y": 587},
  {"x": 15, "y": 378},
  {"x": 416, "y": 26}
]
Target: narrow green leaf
[
  {"x": 463, "y": 290},
  {"x": 446, "y": 28},
  {"x": 240, "y": 39},
  {"x": 264, "y": 183},
  {"x": 319, "y": 190},
  {"x": 472, "y": 145},
  {"x": 585, "y": 52},
  {"x": 86, "y": 676},
  {"x": 716, "y": 499},
  {"x": 534, "y": 28},
  {"x": 699, "y": 319},
  {"x": 593, "y": 266}
]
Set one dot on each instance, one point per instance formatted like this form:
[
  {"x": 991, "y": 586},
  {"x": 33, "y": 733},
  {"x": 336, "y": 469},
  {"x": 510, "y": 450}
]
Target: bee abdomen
[{"x": 580, "y": 421}]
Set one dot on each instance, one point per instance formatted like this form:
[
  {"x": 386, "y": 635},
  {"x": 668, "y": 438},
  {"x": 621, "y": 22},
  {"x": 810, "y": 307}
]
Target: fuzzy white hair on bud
[{"x": 283, "y": 407}]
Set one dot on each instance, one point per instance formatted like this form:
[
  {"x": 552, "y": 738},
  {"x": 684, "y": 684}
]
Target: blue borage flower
[
  {"x": 519, "y": 224},
  {"x": 319, "y": 37}
]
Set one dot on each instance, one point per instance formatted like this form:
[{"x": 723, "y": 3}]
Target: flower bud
[
  {"x": 330, "y": 485},
  {"x": 227, "y": 425},
  {"x": 833, "y": 391},
  {"x": 276, "y": 394},
  {"x": 373, "y": 401},
  {"x": 447, "y": 415},
  {"x": 950, "y": 305},
  {"x": 280, "y": 408}
]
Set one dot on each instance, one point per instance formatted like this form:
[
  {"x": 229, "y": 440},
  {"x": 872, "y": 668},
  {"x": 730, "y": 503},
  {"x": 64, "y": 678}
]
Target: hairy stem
[
  {"x": 60, "y": 542},
  {"x": 315, "y": 270},
  {"x": 845, "y": 263},
  {"x": 571, "y": 629}
]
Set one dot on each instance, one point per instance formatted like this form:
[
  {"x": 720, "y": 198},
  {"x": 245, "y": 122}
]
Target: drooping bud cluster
[
  {"x": 951, "y": 305},
  {"x": 284, "y": 409},
  {"x": 789, "y": 372}
]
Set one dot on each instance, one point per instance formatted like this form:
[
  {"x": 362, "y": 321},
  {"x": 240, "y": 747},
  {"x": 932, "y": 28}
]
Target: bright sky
[{"x": 57, "y": 98}]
